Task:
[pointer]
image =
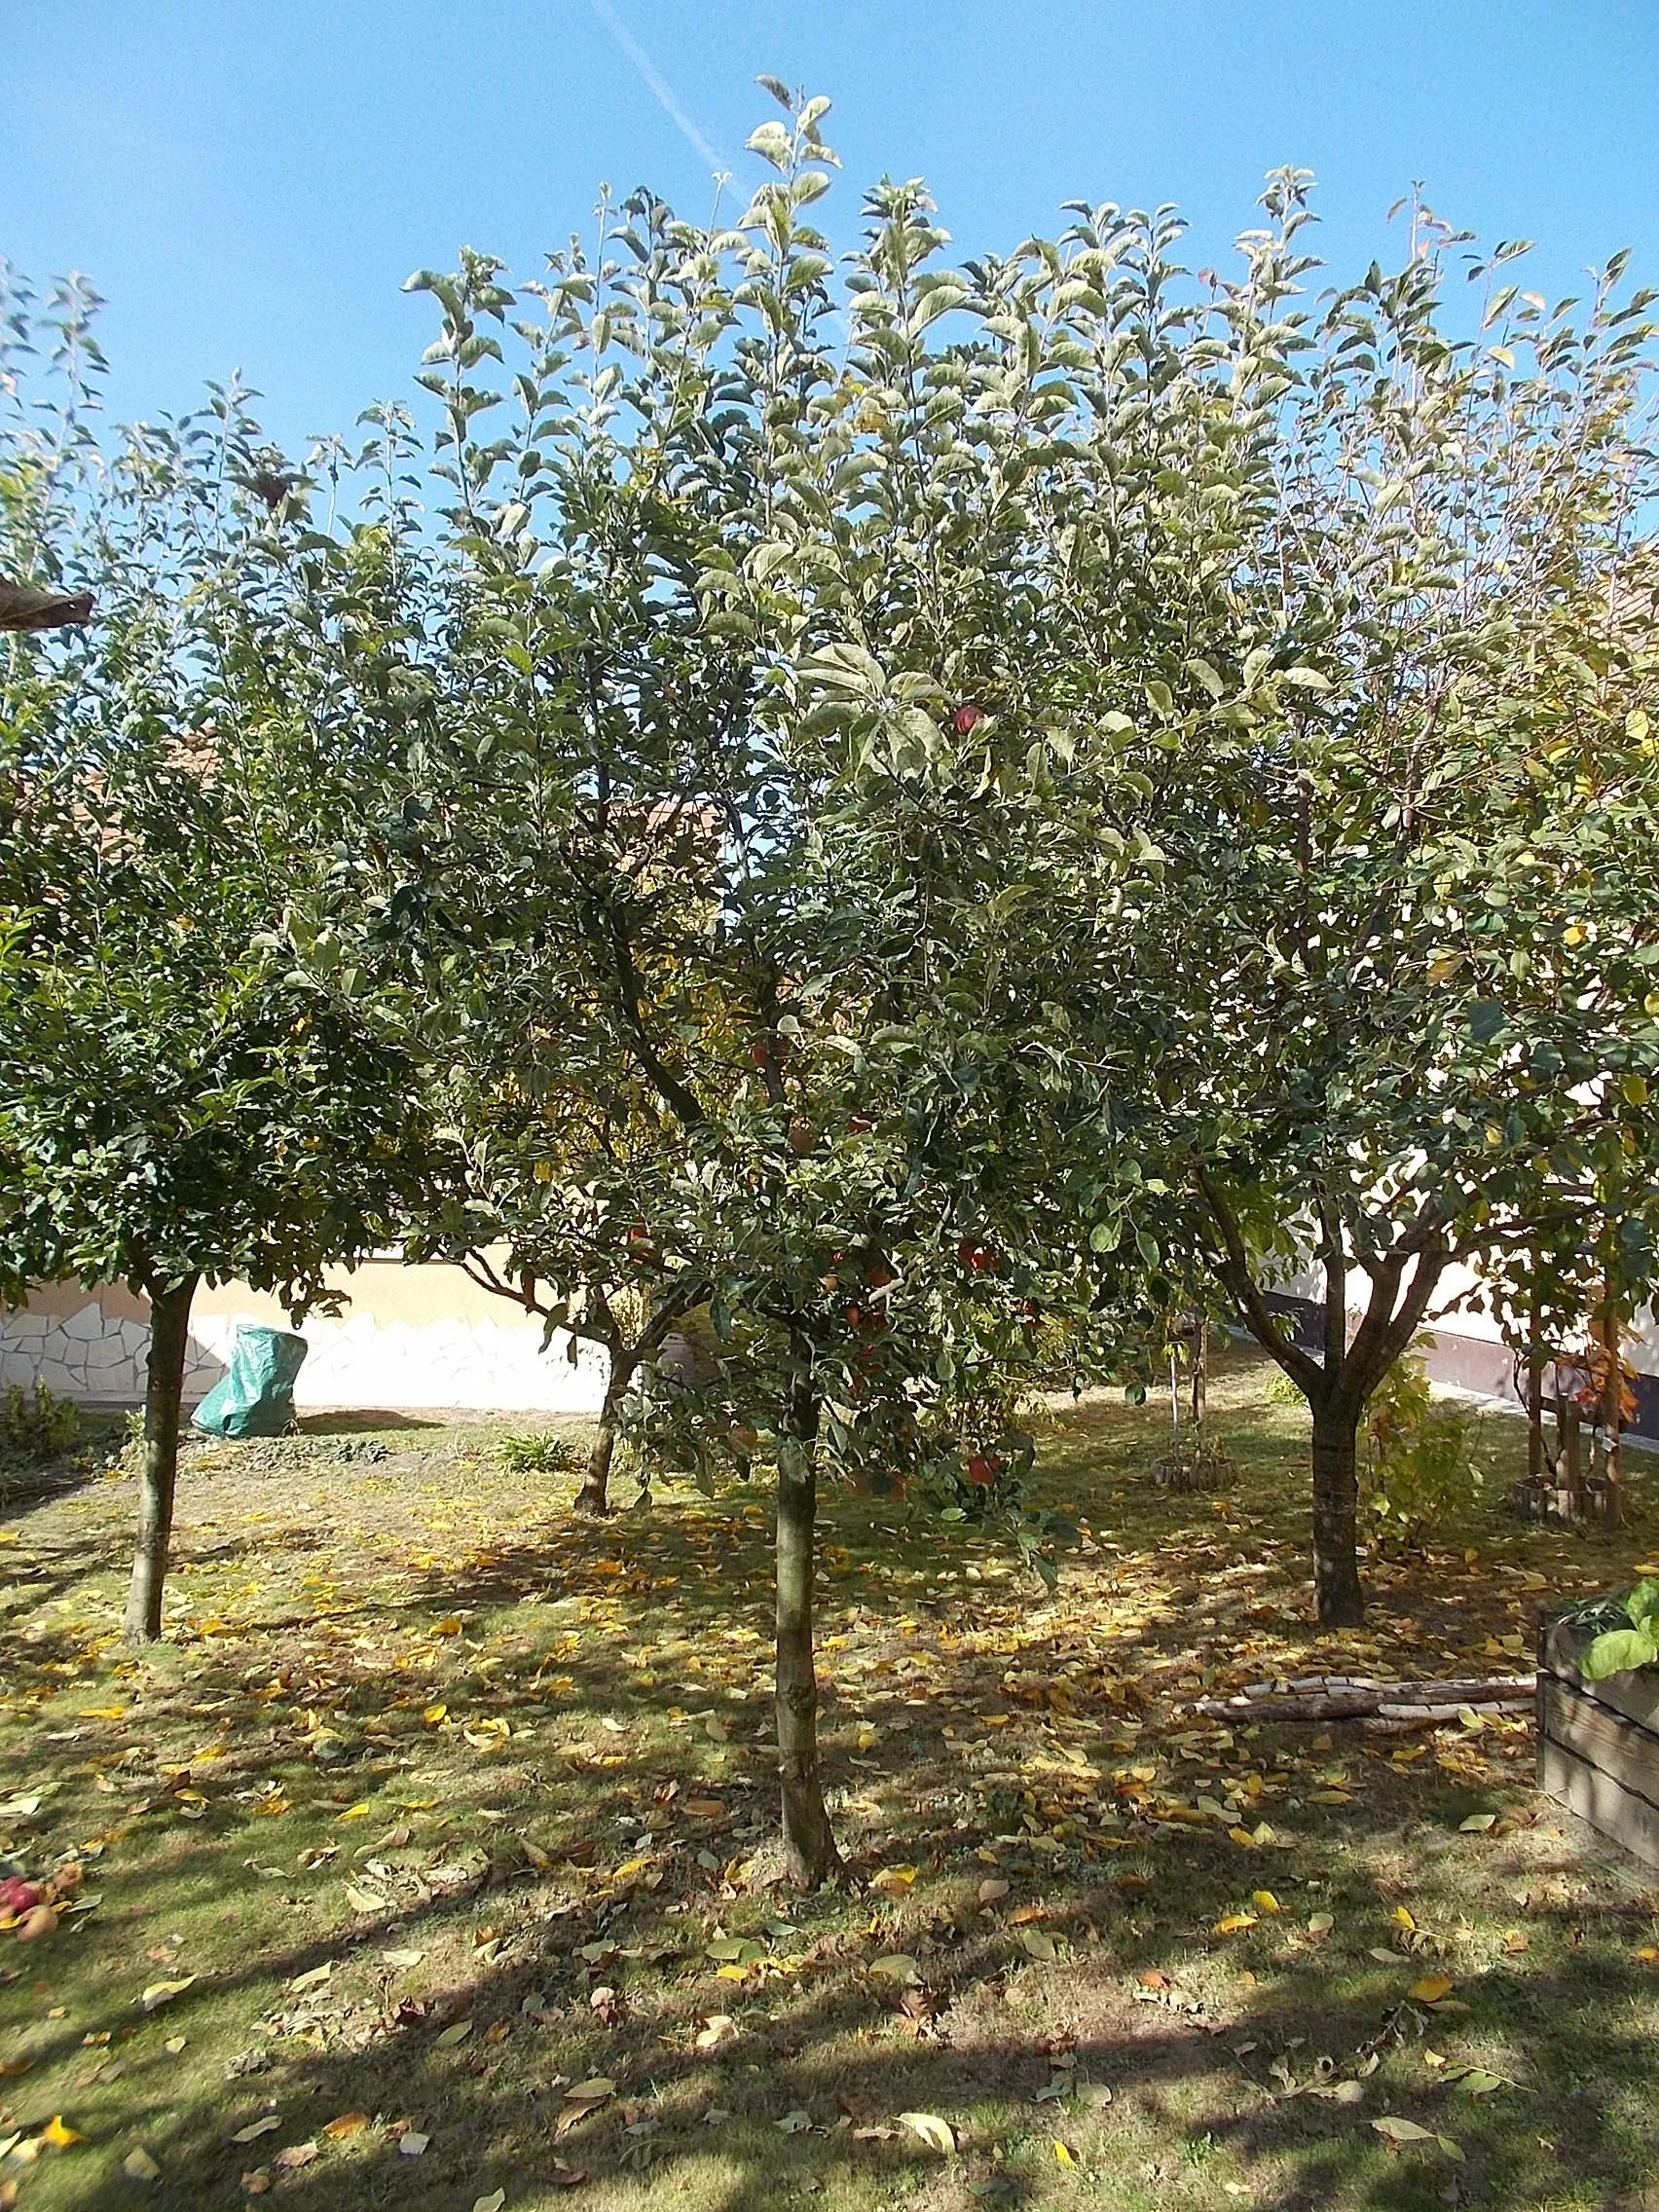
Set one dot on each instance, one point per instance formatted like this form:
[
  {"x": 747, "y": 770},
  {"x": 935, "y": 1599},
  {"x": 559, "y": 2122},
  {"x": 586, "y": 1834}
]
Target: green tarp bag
[{"x": 255, "y": 1396}]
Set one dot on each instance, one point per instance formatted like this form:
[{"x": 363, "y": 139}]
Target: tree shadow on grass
[{"x": 513, "y": 1881}]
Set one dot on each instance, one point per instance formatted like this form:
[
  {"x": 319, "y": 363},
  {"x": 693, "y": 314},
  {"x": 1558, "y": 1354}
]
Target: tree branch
[{"x": 1234, "y": 1272}]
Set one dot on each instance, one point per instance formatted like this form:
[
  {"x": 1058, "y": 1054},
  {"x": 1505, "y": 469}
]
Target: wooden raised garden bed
[{"x": 1599, "y": 1742}]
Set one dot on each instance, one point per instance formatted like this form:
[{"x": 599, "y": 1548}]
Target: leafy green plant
[
  {"x": 1420, "y": 1470},
  {"x": 536, "y": 1455},
  {"x": 34, "y": 1424},
  {"x": 1617, "y": 1650}
]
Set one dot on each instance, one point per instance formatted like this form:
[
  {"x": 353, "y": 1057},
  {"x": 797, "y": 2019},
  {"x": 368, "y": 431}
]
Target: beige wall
[{"x": 406, "y": 1337}]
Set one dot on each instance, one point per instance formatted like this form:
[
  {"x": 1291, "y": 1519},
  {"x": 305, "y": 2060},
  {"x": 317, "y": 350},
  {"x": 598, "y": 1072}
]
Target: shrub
[
  {"x": 36, "y": 1425},
  {"x": 536, "y": 1454},
  {"x": 1419, "y": 1455}
]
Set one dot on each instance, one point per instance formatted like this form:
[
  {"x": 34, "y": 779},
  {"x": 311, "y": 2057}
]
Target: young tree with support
[{"x": 701, "y": 749}]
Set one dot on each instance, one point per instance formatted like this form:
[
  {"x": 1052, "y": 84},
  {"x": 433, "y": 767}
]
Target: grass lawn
[{"x": 436, "y": 1806}]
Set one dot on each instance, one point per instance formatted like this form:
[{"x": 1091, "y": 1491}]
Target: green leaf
[{"x": 1619, "y": 1651}]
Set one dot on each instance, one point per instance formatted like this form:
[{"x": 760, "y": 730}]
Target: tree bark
[
  {"x": 1337, "y": 1591},
  {"x": 170, "y": 1338},
  {"x": 808, "y": 1842},
  {"x": 594, "y": 1496}
]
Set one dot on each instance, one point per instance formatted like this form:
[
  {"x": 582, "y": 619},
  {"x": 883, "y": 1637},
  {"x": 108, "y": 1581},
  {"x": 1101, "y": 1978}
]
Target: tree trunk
[
  {"x": 594, "y": 1496},
  {"x": 808, "y": 1841},
  {"x": 170, "y": 1338},
  {"x": 1335, "y": 1507}
]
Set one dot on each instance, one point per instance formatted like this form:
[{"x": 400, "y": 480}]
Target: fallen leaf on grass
[
  {"x": 458, "y": 2031},
  {"x": 991, "y": 1892},
  {"x": 898, "y": 1965},
  {"x": 1234, "y": 1922},
  {"x": 257, "y": 2128},
  {"x": 1398, "y": 2130},
  {"x": 1477, "y": 1823},
  {"x": 1321, "y": 1922},
  {"x": 594, "y": 2092},
  {"x": 257, "y": 2182},
  {"x": 719, "y": 2030},
  {"x": 410, "y": 2144},
  {"x": 162, "y": 1993},
  {"x": 295, "y": 2155},
  {"x": 348, "y": 2123},
  {"x": 356, "y": 1812},
  {"x": 1039, "y": 1945},
  {"x": 1430, "y": 1989},
  {"x": 893, "y": 1881},
  {"x": 491, "y": 2203},
  {"x": 138, "y": 2165},
  {"x": 794, "y": 2123},
  {"x": 403, "y": 1958},
  {"x": 313, "y": 1979},
  {"x": 934, "y": 2132},
  {"x": 57, "y": 2133},
  {"x": 174, "y": 2045},
  {"x": 1064, "y": 2155},
  {"x": 1265, "y": 1901}
]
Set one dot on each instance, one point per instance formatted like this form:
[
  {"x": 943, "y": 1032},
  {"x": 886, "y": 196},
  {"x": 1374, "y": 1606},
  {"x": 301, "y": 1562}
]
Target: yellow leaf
[
  {"x": 1403, "y": 1918},
  {"x": 102, "y": 1712},
  {"x": 892, "y": 1878},
  {"x": 451, "y": 1627},
  {"x": 934, "y": 2131},
  {"x": 1265, "y": 1901},
  {"x": 1063, "y": 2157},
  {"x": 630, "y": 1867},
  {"x": 1430, "y": 1989},
  {"x": 1242, "y": 1837},
  {"x": 356, "y": 1812},
  {"x": 54, "y": 2131},
  {"x": 348, "y": 2123},
  {"x": 434, "y": 1713},
  {"x": 1232, "y": 1923}
]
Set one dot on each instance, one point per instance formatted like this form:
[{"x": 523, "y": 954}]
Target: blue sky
[{"x": 250, "y": 181}]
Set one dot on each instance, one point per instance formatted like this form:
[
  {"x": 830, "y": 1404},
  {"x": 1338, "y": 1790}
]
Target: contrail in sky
[{"x": 661, "y": 90}]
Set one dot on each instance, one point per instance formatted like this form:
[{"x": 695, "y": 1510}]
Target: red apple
[{"x": 966, "y": 718}]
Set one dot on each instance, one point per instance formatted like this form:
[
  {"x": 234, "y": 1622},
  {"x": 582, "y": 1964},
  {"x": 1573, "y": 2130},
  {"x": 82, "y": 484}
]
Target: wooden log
[
  {"x": 1408, "y": 1719},
  {"x": 1356, "y": 1701}
]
